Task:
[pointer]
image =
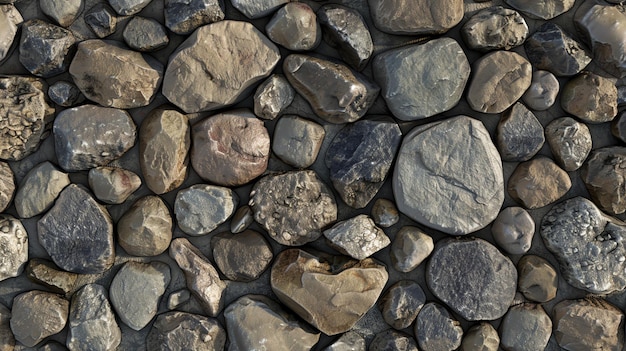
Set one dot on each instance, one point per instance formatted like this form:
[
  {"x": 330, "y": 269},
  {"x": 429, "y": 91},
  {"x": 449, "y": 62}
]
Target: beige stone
[
  {"x": 538, "y": 183},
  {"x": 590, "y": 97},
  {"x": 146, "y": 228}
]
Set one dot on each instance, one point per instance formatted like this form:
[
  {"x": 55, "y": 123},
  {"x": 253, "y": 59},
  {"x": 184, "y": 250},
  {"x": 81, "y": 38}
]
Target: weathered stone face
[
  {"x": 13, "y": 247},
  {"x": 415, "y": 17}
]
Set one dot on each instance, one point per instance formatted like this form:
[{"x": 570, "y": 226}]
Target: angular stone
[
  {"x": 293, "y": 207},
  {"x": 481, "y": 337},
  {"x": 295, "y": 27},
  {"x": 13, "y": 247},
  {"x": 113, "y": 185},
  {"x": 420, "y": 81},
  {"x": 88, "y": 136},
  {"x": 542, "y": 92},
  {"x": 36, "y": 315},
  {"x": 384, "y": 213},
  {"x": 64, "y": 93},
  {"x": 436, "y": 329},
  {"x": 590, "y": 97},
  {"x": 350, "y": 341},
  {"x": 146, "y": 228},
  {"x": 331, "y": 295},
  {"x": 357, "y": 237},
  {"x": 335, "y": 92},
  {"x": 538, "y": 183},
  {"x": 416, "y": 17},
  {"x": 391, "y": 340},
  {"x": 92, "y": 324},
  {"x": 519, "y": 134},
  {"x": 570, "y": 142},
  {"x": 145, "y": 34},
  {"x": 525, "y": 327},
  {"x": 128, "y": 7},
  {"x": 241, "y": 257},
  {"x": 7, "y": 185},
  {"x": 201, "y": 208},
  {"x": 495, "y": 28},
  {"x": 401, "y": 303},
  {"x": 618, "y": 128},
  {"x": 101, "y": 19},
  {"x": 257, "y": 8},
  {"x": 52, "y": 277},
  {"x": 11, "y": 18},
  {"x": 39, "y": 189},
  {"x": 45, "y": 48},
  {"x": 255, "y": 322},
  {"x": 63, "y": 12},
  {"x": 113, "y": 76},
  {"x": 603, "y": 174},
  {"x": 410, "y": 248},
  {"x": 359, "y": 158},
  {"x": 448, "y": 176},
  {"x": 7, "y": 340},
  {"x": 77, "y": 233},
  {"x": 542, "y": 10},
  {"x": 184, "y": 16},
  {"x": 297, "y": 141},
  {"x": 273, "y": 96},
  {"x": 185, "y": 331},
  {"x": 513, "y": 230},
  {"x": 538, "y": 280},
  {"x": 242, "y": 219},
  {"x": 178, "y": 298}
]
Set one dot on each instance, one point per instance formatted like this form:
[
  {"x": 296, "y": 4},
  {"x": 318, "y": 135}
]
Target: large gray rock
[
  {"x": 436, "y": 329},
  {"x": 297, "y": 141},
  {"x": 113, "y": 185},
  {"x": 13, "y": 247},
  {"x": 45, "y": 48},
  {"x": 416, "y": 17},
  {"x": 542, "y": 10},
  {"x": 538, "y": 183},
  {"x": 128, "y": 7},
  {"x": 519, "y": 134},
  {"x": 39, "y": 188},
  {"x": 201, "y": 208},
  {"x": 146, "y": 228},
  {"x": 391, "y": 340},
  {"x": 295, "y": 27},
  {"x": 257, "y": 8},
  {"x": 553, "y": 49},
  {"x": 401, "y": 303},
  {"x": 273, "y": 96},
  {"x": 603, "y": 175},
  {"x": 52, "y": 277},
  {"x": 63, "y": 12},
  {"x": 241, "y": 257},
  {"x": 7, "y": 340},
  {"x": 538, "y": 280},
  {"x": 35, "y": 315},
  {"x": 185, "y": 331},
  {"x": 590, "y": 97},
  {"x": 570, "y": 142},
  {"x": 495, "y": 28},
  {"x": 145, "y": 34},
  {"x": 357, "y": 237},
  {"x": 7, "y": 185},
  {"x": 184, "y": 16},
  {"x": 11, "y": 18},
  {"x": 525, "y": 327},
  {"x": 448, "y": 176}
]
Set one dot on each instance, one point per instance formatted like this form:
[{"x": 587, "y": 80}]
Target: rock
[
  {"x": 542, "y": 92},
  {"x": 256, "y": 9},
  {"x": 590, "y": 97},
  {"x": 293, "y": 207},
  {"x": 128, "y": 7},
  {"x": 588, "y": 324},
  {"x": 39, "y": 188},
  {"x": 553, "y": 49},
  {"x": 420, "y": 81},
  {"x": 544, "y": 10},
  {"x": 184, "y": 16},
  {"x": 101, "y": 19},
  {"x": 357, "y": 237},
  {"x": 113, "y": 185},
  {"x": 350, "y": 341},
  {"x": 359, "y": 158},
  {"x": 113, "y": 76},
  {"x": 346, "y": 31},
  {"x": 7, "y": 340},
  {"x": 13, "y": 247},
  {"x": 36, "y": 315},
  {"x": 178, "y": 298},
  {"x": 77, "y": 233},
  {"x": 136, "y": 291},
  {"x": 417, "y": 17},
  {"x": 618, "y": 128},
  {"x": 145, "y": 34},
  {"x": 335, "y": 92},
  {"x": 481, "y": 337},
  {"x": 45, "y": 48},
  {"x": 519, "y": 134},
  {"x": 92, "y": 324},
  {"x": 384, "y": 213},
  {"x": 448, "y": 176},
  {"x": 7, "y": 186},
  {"x": 410, "y": 248},
  {"x": 66, "y": 94},
  {"x": 295, "y": 27},
  {"x": 25, "y": 116},
  {"x": 10, "y": 18},
  {"x": 391, "y": 340},
  {"x": 273, "y": 96},
  {"x": 538, "y": 280},
  {"x": 570, "y": 142},
  {"x": 241, "y": 257},
  {"x": 63, "y": 12},
  {"x": 201, "y": 277},
  {"x": 331, "y": 297},
  {"x": 401, "y": 303},
  {"x": 525, "y": 327},
  {"x": 88, "y": 136},
  {"x": 297, "y": 141},
  {"x": 585, "y": 242},
  {"x": 52, "y": 346},
  {"x": 436, "y": 329},
  {"x": 201, "y": 208},
  {"x": 52, "y": 277},
  {"x": 255, "y": 322},
  {"x": 538, "y": 183},
  {"x": 242, "y": 219},
  {"x": 495, "y": 28},
  {"x": 146, "y": 228},
  {"x": 185, "y": 331},
  {"x": 513, "y": 230},
  {"x": 603, "y": 174}
]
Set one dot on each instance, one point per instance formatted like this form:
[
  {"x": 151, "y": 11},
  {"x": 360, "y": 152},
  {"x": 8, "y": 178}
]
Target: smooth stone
[
  {"x": 481, "y": 337},
  {"x": 145, "y": 34},
  {"x": 513, "y": 230},
  {"x": 295, "y": 27},
  {"x": 7, "y": 185},
  {"x": 401, "y": 303},
  {"x": 349, "y": 341},
  {"x": 603, "y": 174},
  {"x": 525, "y": 327},
  {"x": 77, "y": 233},
  {"x": 273, "y": 96},
  {"x": 146, "y": 227},
  {"x": 45, "y": 48},
  {"x": 101, "y": 19},
  {"x": 495, "y": 28},
  {"x": 297, "y": 141},
  {"x": 39, "y": 189},
  {"x": 410, "y": 248},
  {"x": 543, "y": 91},
  {"x": 257, "y": 8},
  {"x": 63, "y": 12},
  {"x": 436, "y": 179},
  {"x": 542, "y": 10},
  {"x": 359, "y": 158},
  {"x": 618, "y": 128},
  {"x": 113, "y": 185},
  {"x": 436, "y": 329},
  {"x": 570, "y": 142},
  {"x": 201, "y": 208},
  {"x": 35, "y": 315},
  {"x": 242, "y": 219},
  {"x": 128, "y": 7},
  {"x": 241, "y": 257},
  {"x": 553, "y": 49},
  {"x": 52, "y": 277},
  {"x": 13, "y": 247},
  {"x": 590, "y": 97},
  {"x": 422, "y": 80},
  {"x": 11, "y": 18},
  {"x": 330, "y": 297},
  {"x": 7, "y": 340},
  {"x": 184, "y": 16},
  {"x": 357, "y": 237},
  {"x": 391, "y": 340},
  {"x": 178, "y": 298},
  {"x": 384, "y": 213},
  {"x": 185, "y": 331},
  {"x": 519, "y": 134},
  {"x": 538, "y": 183},
  {"x": 416, "y": 17},
  {"x": 64, "y": 93},
  {"x": 537, "y": 279}
]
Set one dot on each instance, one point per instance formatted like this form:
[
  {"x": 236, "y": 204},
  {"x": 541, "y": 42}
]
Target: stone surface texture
[
  {"x": 7, "y": 340},
  {"x": 538, "y": 183},
  {"x": 570, "y": 142},
  {"x": 358, "y": 237},
  {"x": 590, "y": 97},
  {"x": 525, "y": 327},
  {"x": 39, "y": 189},
  {"x": 7, "y": 185},
  {"x": 52, "y": 277},
  {"x": 513, "y": 230},
  {"x": 295, "y": 27},
  {"x": 64, "y": 93},
  {"x": 273, "y": 96},
  {"x": 495, "y": 28},
  {"x": 480, "y": 337},
  {"x": 202, "y": 208},
  {"x": 185, "y": 331},
  {"x": 13, "y": 247},
  {"x": 145, "y": 34},
  {"x": 184, "y": 16},
  {"x": 391, "y": 340},
  {"x": 45, "y": 48},
  {"x": 538, "y": 280},
  {"x": 416, "y": 17},
  {"x": 11, "y": 19},
  {"x": 410, "y": 248},
  {"x": 401, "y": 303},
  {"x": 255, "y": 9},
  {"x": 544, "y": 10},
  {"x": 543, "y": 91},
  {"x": 113, "y": 185},
  {"x": 603, "y": 174},
  {"x": 146, "y": 227},
  {"x": 297, "y": 141},
  {"x": 436, "y": 329},
  {"x": 36, "y": 315},
  {"x": 241, "y": 257},
  {"x": 519, "y": 134}
]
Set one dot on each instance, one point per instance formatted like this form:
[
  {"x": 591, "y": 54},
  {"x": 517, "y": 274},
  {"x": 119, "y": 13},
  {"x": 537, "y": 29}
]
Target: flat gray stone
[
  {"x": 128, "y": 7},
  {"x": 273, "y": 96},
  {"x": 603, "y": 176},
  {"x": 35, "y": 315},
  {"x": 569, "y": 141},
  {"x": 257, "y": 8},
  {"x": 64, "y": 93},
  {"x": 63, "y": 12},
  {"x": 185, "y": 331},
  {"x": 113, "y": 185},
  {"x": 297, "y": 141},
  {"x": 401, "y": 303},
  {"x": 146, "y": 228},
  {"x": 415, "y": 17},
  {"x": 13, "y": 247},
  {"x": 52, "y": 277},
  {"x": 519, "y": 135},
  {"x": 481, "y": 337},
  {"x": 45, "y": 48},
  {"x": 538, "y": 280},
  {"x": 295, "y": 27},
  {"x": 145, "y": 34},
  {"x": 543, "y": 91},
  {"x": 7, "y": 340},
  {"x": 480, "y": 32},
  {"x": 39, "y": 189},
  {"x": 241, "y": 257},
  {"x": 525, "y": 327},
  {"x": 101, "y": 19},
  {"x": 357, "y": 237},
  {"x": 201, "y": 208},
  {"x": 11, "y": 18},
  {"x": 513, "y": 230},
  {"x": 538, "y": 183},
  {"x": 436, "y": 329},
  {"x": 542, "y": 10},
  {"x": 184, "y": 16},
  {"x": 391, "y": 340},
  {"x": 410, "y": 248},
  {"x": 590, "y": 97},
  {"x": 7, "y": 185},
  {"x": 349, "y": 341}
]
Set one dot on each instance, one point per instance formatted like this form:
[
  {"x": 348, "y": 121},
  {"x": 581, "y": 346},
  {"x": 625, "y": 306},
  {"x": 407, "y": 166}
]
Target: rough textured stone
[
  {"x": 415, "y": 17},
  {"x": 359, "y": 158},
  {"x": 542, "y": 10},
  {"x": 39, "y": 188},
  {"x": 513, "y": 230},
  {"x": 89, "y": 135},
  {"x": 570, "y": 142},
  {"x": 11, "y": 18},
  {"x": 391, "y": 340},
  {"x": 257, "y": 9},
  {"x": 241, "y": 257},
  {"x": 519, "y": 134},
  {"x": 184, "y": 16},
  {"x": 146, "y": 228},
  {"x": 242, "y": 219},
  {"x": 436, "y": 329},
  {"x": 590, "y": 97},
  {"x": 495, "y": 28},
  {"x": 542, "y": 92},
  {"x": 481, "y": 337},
  {"x": 293, "y": 207},
  {"x": 401, "y": 303},
  {"x": 185, "y": 331},
  {"x": 77, "y": 233},
  {"x": 538, "y": 280},
  {"x": 113, "y": 185},
  {"x": 448, "y": 176},
  {"x": 618, "y": 128},
  {"x": 7, "y": 340},
  {"x": 36, "y": 315},
  {"x": 297, "y": 141},
  {"x": 7, "y": 185},
  {"x": 525, "y": 327},
  {"x": 357, "y": 237},
  {"x": 63, "y": 12},
  {"x": 49, "y": 275},
  {"x": 350, "y": 341},
  {"x": 64, "y": 93},
  {"x": 101, "y": 19},
  {"x": 145, "y": 34},
  {"x": 178, "y": 298},
  {"x": 295, "y": 27},
  {"x": 420, "y": 81},
  {"x": 538, "y": 183},
  {"x": 201, "y": 208},
  {"x": 128, "y": 7},
  {"x": 195, "y": 81},
  {"x": 45, "y": 48},
  {"x": 603, "y": 174},
  {"x": 13, "y": 247},
  {"x": 384, "y": 213},
  {"x": 409, "y": 248},
  {"x": 273, "y": 96},
  {"x": 330, "y": 295}
]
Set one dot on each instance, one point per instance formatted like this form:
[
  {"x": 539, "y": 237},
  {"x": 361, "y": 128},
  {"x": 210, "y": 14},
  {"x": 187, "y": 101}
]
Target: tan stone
[
  {"x": 7, "y": 185},
  {"x": 146, "y": 228},
  {"x": 590, "y": 97},
  {"x": 36, "y": 315},
  {"x": 416, "y": 16},
  {"x": 538, "y": 183}
]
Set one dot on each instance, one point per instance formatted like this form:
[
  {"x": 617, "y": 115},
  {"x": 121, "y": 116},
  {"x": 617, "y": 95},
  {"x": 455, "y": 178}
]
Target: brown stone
[
  {"x": 49, "y": 275},
  {"x": 241, "y": 257},
  {"x": 590, "y": 97},
  {"x": 146, "y": 228},
  {"x": 36, "y": 315},
  {"x": 538, "y": 182},
  {"x": 604, "y": 175},
  {"x": 537, "y": 279}
]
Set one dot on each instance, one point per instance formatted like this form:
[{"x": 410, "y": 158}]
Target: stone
[
  {"x": 585, "y": 242},
  {"x": 538, "y": 183},
  {"x": 255, "y": 322},
  {"x": 39, "y": 189},
  {"x": 357, "y": 237},
  {"x": 202, "y": 279},
  {"x": 542, "y": 92},
  {"x": 7, "y": 340},
  {"x": 590, "y": 97},
  {"x": 295, "y": 27},
  {"x": 128, "y": 7},
  {"x": 416, "y": 17},
  {"x": 65, "y": 94},
  {"x": 293, "y": 207},
  {"x": 495, "y": 28},
  {"x": 257, "y": 8},
  {"x": 410, "y": 248},
  {"x": 384, "y": 213},
  {"x": 448, "y": 176},
  {"x": 422, "y": 80},
  {"x": 36, "y": 315},
  {"x": 185, "y": 331},
  {"x": 349, "y": 341},
  {"x": 391, "y": 340},
  {"x": 178, "y": 298},
  {"x": 436, "y": 329},
  {"x": 88, "y": 136},
  {"x": 7, "y": 185},
  {"x": 359, "y": 158},
  {"x": 113, "y": 76},
  {"x": 146, "y": 227},
  {"x": 145, "y": 34},
  {"x": 570, "y": 142},
  {"x": 553, "y": 49},
  {"x": 588, "y": 324},
  {"x": 25, "y": 116},
  {"x": 481, "y": 337},
  {"x": 101, "y": 19},
  {"x": 52, "y": 346},
  {"x": 525, "y": 327},
  {"x": 62, "y": 12},
  {"x": 513, "y": 230},
  {"x": 273, "y": 96},
  {"x": 538, "y": 280},
  {"x": 52, "y": 277},
  {"x": 241, "y": 257},
  {"x": 136, "y": 291},
  {"x": 603, "y": 174},
  {"x": 297, "y": 141},
  {"x": 519, "y": 134},
  {"x": 113, "y": 185},
  {"x": 336, "y": 93},
  {"x": 45, "y": 48},
  {"x": 618, "y": 128},
  {"x": 11, "y": 18},
  {"x": 201, "y": 208},
  {"x": 13, "y": 247},
  {"x": 92, "y": 324},
  {"x": 195, "y": 82},
  {"x": 77, "y": 233},
  {"x": 184, "y": 16},
  {"x": 242, "y": 219},
  {"x": 331, "y": 295},
  {"x": 544, "y": 10},
  {"x": 401, "y": 303}
]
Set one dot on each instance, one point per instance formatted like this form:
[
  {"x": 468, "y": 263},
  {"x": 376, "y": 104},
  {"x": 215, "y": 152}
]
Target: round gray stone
[
  {"x": 513, "y": 230},
  {"x": 542, "y": 92},
  {"x": 201, "y": 208},
  {"x": 297, "y": 141},
  {"x": 273, "y": 96},
  {"x": 113, "y": 185},
  {"x": 145, "y": 34}
]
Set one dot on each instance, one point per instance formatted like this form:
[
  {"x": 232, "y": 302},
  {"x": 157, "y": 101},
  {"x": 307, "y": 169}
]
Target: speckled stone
[
  {"x": 7, "y": 185},
  {"x": 384, "y": 213},
  {"x": 495, "y": 28},
  {"x": 519, "y": 134},
  {"x": 13, "y": 247},
  {"x": 603, "y": 174},
  {"x": 358, "y": 237}
]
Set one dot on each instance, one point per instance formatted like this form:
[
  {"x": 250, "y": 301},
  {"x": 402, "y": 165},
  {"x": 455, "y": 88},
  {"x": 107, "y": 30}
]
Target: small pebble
[
  {"x": 242, "y": 219},
  {"x": 178, "y": 298},
  {"x": 201, "y": 208},
  {"x": 146, "y": 227},
  {"x": 570, "y": 142},
  {"x": 525, "y": 327},
  {"x": 519, "y": 134},
  {"x": 297, "y": 141},
  {"x": 241, "y": 257},
  {"x": 401, "y": 303},
  {"x": 295, "y": 27},
  {"x": 64, "y": 93},
  {"x": 13, "y": 247},
  {"x": 113, "y": 185},
  {"x": 36, "y": 315},
  {"x": 542, "y": 92},
  {"x": 63, "y": 12},
  {"x": 410, "y": 247},
  {"x": 273, "y": 96},
  {"x": 391, "y": 340},
  {"x": 145, "y": 34},
  {"x": 7, "y": 185},
  {"x": 538, "y": 183},
  {"x": 385, "y": 213},
  {"x": 436, "y": 328},
  {"x": 537, "y": 279},
  {"x": 102, "y": 20},
  {"x": 481, "y": 337},
  {"x": 513, "y": 230},
  {"x": 590, "y": 97}
]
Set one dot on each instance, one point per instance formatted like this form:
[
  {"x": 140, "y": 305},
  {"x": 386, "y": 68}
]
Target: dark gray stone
[
  {"x": 63, "y": 12},
  {"x": 525, "y": 327},
  {"x": 391, "y": 340},
  {"x": 11, "y": 18},
  {"x": 7, "y": 340},
  {"x": 618, "y": 128},
  {"x": 13, "y": 247},
  {"x": 101, "y": 19},
  {"x": 416, "y": 17},
  {"x": 295, "y": 27},
  {"x": 357, "y": 237},
  {"x": 128, "y": 7},
  {"x": 273, "y": 96},
  {"x": 410, "y": 248},
  {"x": 481, "y": 337},
  {"x": 145, "y": 34},
  {"x": 590, "y": 97},
  {"x": 146, "y": 228},
  {"x": 45, "y": 48},
  {"x": 570, "y": 142},
  {"x": 257, "y": 9},
  {"x": 495, "y": 28},
  {"x": 201, "y": 208},
  {"x": 538, "y": 280},
  {"x": 7, "y": 185},
  {"x": 185, "y": 331},
  {"x": 64, "y": 93},
  {"x": 401, "y": 303},
  {"x": 184, "y": 16},
  {"x": 52, "y": 277},
  {"x": 603, "y": 174},
  {"x": 350, "y": 341},
  {"x": 39, "y": 189},
  {"x": 436, "y": 329},
  {"x": 113, "y": 185},
  {"x": 519, "y": 134},
  {"x": 241, "y": 257},
  {"x": 35, "y": 315},
  {"x": 384, "y": 213},
  {"x": 242, "y": 219}
]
